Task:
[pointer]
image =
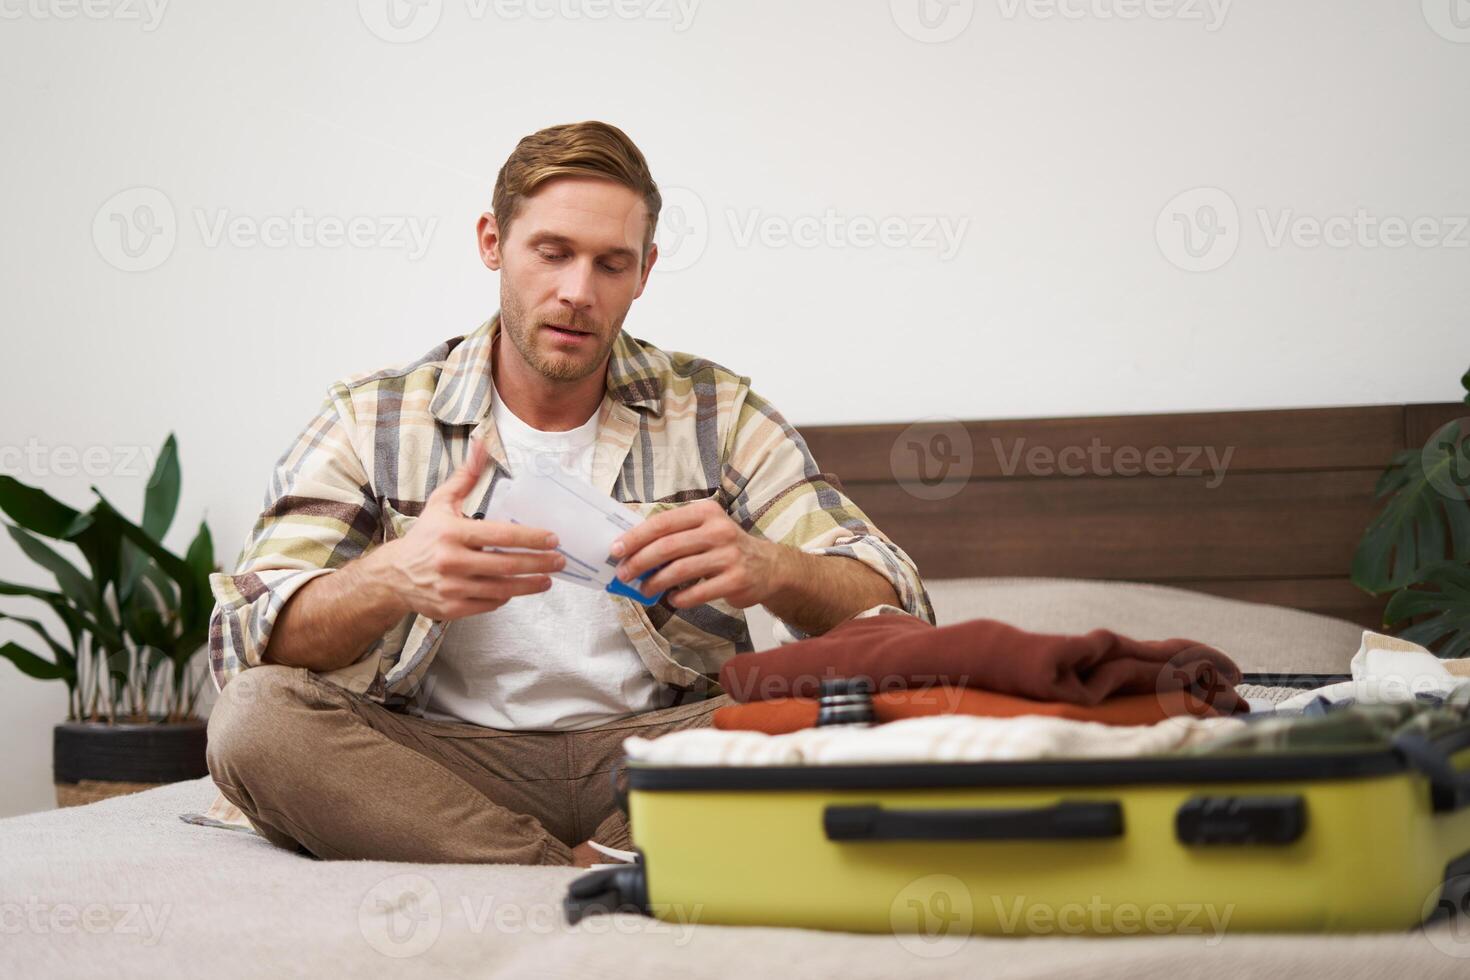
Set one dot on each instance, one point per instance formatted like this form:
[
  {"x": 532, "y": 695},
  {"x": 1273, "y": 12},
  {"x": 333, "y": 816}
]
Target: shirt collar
[{"x": 462, "y": 396}]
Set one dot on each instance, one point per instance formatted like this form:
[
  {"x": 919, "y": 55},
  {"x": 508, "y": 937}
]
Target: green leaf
[
  {"x": 33, "y": 509},
  {"x": 77, "y": 622},
  {"x": 1442, "y": 594},
  {"x": 172, "y": 565},
  {"x": 80, "y": 590},
  {"x": 200, "y": 556},
  {"x": 32, "y": 665},
  {"x": 64, "y": 657},
  {"x": 146, "y": 627},
  {"x": 100, "y": 542},
  {"x": 200, "y": 559},
  {"x": 45, "y": 595},
  {"x": 161, "y": 499},
  {"x": 1419, "y": 525}
]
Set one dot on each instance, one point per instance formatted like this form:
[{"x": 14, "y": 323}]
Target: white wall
[{"x": 1056, "y": 142}]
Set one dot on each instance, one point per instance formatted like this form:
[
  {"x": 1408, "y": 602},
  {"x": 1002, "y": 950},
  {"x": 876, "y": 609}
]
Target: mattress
[{"x": 125, "y": 886}]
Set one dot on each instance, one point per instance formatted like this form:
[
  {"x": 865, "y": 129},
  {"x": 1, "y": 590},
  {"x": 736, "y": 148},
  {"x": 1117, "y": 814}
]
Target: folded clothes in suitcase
[{"x": 1357, "y": 821}]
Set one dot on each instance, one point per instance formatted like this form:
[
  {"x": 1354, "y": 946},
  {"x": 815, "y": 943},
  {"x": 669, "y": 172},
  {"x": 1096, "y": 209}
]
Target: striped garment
[{"x": 672, "y": 428}]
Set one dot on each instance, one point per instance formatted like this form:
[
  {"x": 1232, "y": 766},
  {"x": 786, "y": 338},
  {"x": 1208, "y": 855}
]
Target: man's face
[{"x": 569, "y": 269}]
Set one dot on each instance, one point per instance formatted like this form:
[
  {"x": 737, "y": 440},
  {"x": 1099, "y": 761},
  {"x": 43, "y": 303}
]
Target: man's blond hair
[{"x": 584, "y": 149}]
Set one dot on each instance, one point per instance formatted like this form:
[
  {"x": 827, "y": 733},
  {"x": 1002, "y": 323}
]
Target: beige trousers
[{"x": 317, "y": 768}]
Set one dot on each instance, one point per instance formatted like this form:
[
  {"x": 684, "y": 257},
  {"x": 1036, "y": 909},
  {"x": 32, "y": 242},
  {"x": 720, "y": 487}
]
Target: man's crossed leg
[{"x": 317, "y": 768}]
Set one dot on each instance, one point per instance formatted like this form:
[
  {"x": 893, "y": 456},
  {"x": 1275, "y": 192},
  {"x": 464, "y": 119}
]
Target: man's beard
[{"x": 523, "y": 331}]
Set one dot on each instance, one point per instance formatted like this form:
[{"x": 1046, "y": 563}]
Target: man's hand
[
  {"x": 439, "y": 568},
  {"x": 701, "y": 544},
  {"x": 700, "y": 541}
]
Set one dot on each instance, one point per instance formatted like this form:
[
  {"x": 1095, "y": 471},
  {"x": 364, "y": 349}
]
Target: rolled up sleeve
[
  {"x": 778, "y": 492},
  {"x": 319, "y": 514}
]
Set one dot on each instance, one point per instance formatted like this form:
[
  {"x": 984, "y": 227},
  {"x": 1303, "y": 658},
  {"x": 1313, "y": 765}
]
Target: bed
[{"x": 129, "y": 888}]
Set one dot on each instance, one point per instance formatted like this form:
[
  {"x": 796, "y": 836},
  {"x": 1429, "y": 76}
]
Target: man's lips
[{"x": 567, "y": 334}]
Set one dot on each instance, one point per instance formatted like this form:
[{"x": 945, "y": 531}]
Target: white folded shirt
[
  {"x": 1386, "y": 670},
  {"x": 938, "y": 738}
]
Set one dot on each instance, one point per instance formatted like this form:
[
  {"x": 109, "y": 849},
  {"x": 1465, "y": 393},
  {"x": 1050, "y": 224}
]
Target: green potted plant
[
  {"x": 132, "y": 620},
  {"x": 1418, "y": 547}
]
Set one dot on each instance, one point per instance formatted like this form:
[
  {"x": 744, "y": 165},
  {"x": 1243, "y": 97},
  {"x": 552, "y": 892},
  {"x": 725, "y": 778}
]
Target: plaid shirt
[{"x": 672, "y": 428}]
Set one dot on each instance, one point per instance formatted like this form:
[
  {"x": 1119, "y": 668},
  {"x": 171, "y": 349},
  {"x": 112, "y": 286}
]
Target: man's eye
[
  {"x": 551, "y": 255},
  {"x": 613, "y": 267}
]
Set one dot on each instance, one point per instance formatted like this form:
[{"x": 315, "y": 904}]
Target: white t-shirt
[{"x": 554, "y": 661}]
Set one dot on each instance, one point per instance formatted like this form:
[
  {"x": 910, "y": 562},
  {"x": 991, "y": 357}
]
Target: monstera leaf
[
  {"x": 1425, "y": 520},
  {"x": 1442, "y": 597}
]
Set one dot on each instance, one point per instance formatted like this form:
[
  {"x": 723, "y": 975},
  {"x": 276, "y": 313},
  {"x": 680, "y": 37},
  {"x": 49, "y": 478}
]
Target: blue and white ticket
[{"x": 585, "y": 522}]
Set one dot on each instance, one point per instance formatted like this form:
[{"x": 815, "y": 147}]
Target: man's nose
[{"x": 574, "y": 289}]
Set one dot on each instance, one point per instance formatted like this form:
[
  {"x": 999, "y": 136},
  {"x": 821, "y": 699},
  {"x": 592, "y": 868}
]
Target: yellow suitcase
[{"x": 1293, "y": 842}]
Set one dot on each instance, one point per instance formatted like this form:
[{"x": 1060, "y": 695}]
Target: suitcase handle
[{"x": 1067, "y": 820}]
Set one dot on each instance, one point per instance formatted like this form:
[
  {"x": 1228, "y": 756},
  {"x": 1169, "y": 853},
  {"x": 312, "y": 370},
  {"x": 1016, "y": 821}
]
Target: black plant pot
[{"x": 93, "y": 761}]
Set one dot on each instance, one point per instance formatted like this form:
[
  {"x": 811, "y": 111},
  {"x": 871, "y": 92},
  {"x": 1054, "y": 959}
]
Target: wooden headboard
[{"x": 1083, "y": 497}]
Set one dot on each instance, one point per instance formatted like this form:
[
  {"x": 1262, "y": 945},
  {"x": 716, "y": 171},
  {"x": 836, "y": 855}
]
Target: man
[{"x": 393, "y": 690}]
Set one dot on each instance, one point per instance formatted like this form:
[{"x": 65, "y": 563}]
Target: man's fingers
[
  {"x": 663, "y": 550},
  {"x": 473, "y": 563},
  {"x": 524, "y": 584},
  {"x": 684, "y": 570},
  {"x": 496, "y": 589},
  {"x": 701, "y": 592},
  {"x": 677, "y": 519},
  {"x": 499, "y": 534},
  {"x": 503, "y": 592},
  {"x": 451, "y": 492}
]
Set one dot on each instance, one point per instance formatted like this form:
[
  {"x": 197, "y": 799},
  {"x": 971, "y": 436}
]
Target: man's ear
[
  {"x": 647, "y": 268},
  {"x": 487, "y": 232}
]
